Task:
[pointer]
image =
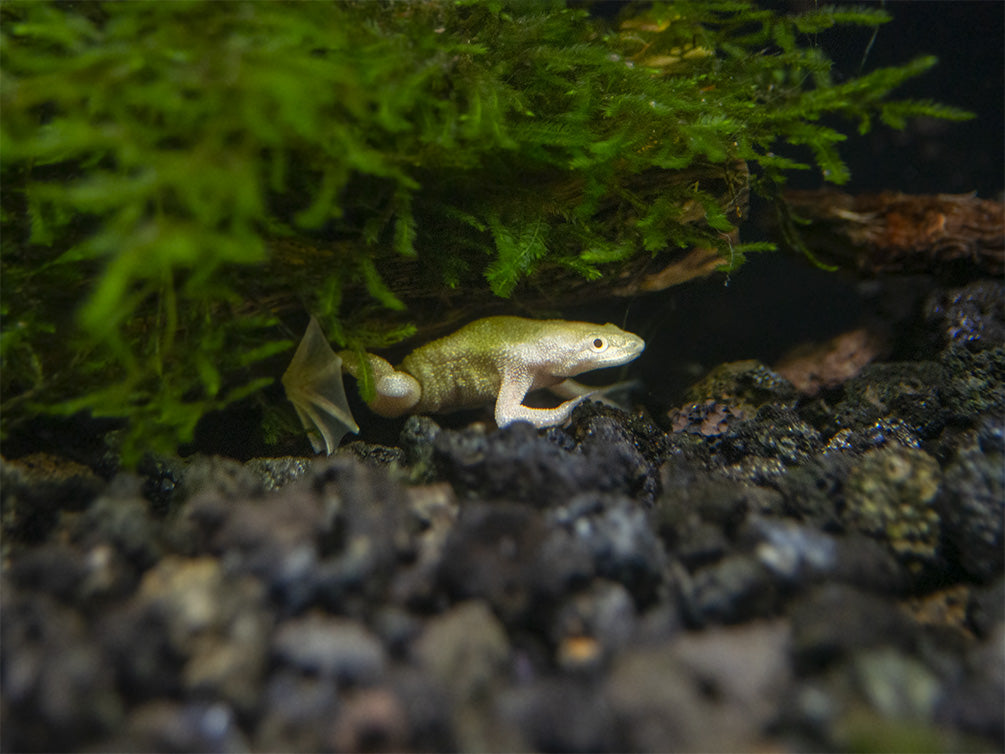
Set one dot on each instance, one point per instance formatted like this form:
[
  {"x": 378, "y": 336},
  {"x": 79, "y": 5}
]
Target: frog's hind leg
[
  {"x": 395, "y": 393},
  {"x": 313, "y": 383}
]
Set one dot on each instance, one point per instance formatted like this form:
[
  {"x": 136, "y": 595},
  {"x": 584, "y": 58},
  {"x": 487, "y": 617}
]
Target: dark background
[{"x": 777, "y": 301}]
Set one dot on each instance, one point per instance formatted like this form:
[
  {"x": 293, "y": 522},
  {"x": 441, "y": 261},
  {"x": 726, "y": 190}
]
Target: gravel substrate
[{"x": 758, "y": 570}]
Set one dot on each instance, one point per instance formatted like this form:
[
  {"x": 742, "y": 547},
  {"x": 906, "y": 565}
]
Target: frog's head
[{"x": 589, "y": 346}]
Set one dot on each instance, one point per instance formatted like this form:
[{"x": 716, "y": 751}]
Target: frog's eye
[{"x": 598, "y": 345}]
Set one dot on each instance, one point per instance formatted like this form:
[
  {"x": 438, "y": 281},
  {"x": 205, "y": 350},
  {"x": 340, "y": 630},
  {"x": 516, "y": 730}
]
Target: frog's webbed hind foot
[{"x": 313, "y": 383}]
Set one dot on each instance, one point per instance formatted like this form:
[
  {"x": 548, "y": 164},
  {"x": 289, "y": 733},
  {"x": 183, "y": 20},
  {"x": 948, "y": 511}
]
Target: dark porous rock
[
  {"x": 518, "y": 463},
  {"x": 465, "y": 650},
  {"x": 417, "y": 439},
  {"x": 665, "y": 698},
  {"x": 745, "y": 385},
  {"x": 298, "y": 710},
  {"x": 971, "y": 504},
  {"x": 799, "y": 556},
  {"x": 35, "y": 488},
  {"x": 214, "y": 627},
  {"x": 814, "y": 492},
  {"x": 121, "y": 519},
  {"x": 991, "y": 434},
  {"x": 58, "y": 688},
  {"x": 640, "y": 446},
  {"x": 890, "y": 495},
  {"x": 427, "y": 708},
  {"x": 796, "y": 555},
  {"x": 706, "y": 419},
  {"x": 975, "y": 385},
  {"x": 896, "y": 685},
  {"x": 878, "y": 434},
  {"x": 833, "y": 621},
  {"x": 215, "y": 476},
  {"x": 376, "y": 456},
  {"x": 772, "y": 433},
  {"x": 369, "y": 720},
  {"x": 734, "y": 589},
  {"x": 604, "y": 613},
  {"x": 179, "y": 727},
  {"x": 433, "y": 509},
  {"x": 970, "y": 316},
  {"x": 466, "y": 653},
  {"x": 334, "y": 534},
  {"x": 276, "y": 539},
  {"x": 333, "y": 647},
  {"x": 161, "y": 481},
  {"x": 54, "y": 569},
  {"x": 505, "y": 554},
  {"x": 699, "y": 512},
  {"x": 362, "y": 528},
  {"x": 975, "y": 699},
  {"x": 616, "y": 532},
  {"x": 987, "y": 607},
  {"x": 908, "y": 391},
  {"x": 515, "y": 463},
  {"x": 562, "y": 714},
  {"x": 278, "y": 472}
]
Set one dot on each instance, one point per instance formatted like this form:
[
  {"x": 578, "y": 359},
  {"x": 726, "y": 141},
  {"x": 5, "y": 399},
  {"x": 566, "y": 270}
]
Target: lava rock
[
  {"x": 814, "y": 492},
  {"x": 465, "y": 650},
  {"x": 734, "y": 589},
  {"x": 594, "y": 624},
  {"x": 182, "y": 727},
  {"x": 975, "y": 384},
  {"x": 971, "y": 504},
  {"x": 908, "y": 391},
  {"x": 216, "y": 476},
  {"x": 663, "y": 697},
  {"x": 332, "y": 647},
  {"x": 747, "y": 385},
  {"x": 617, "y": 534},
  {"x": 505, "y": 554},
  {"x": 520, "y": 464},
  {"x": 970, "y": 316},
  {"x": 375, "y": 456},
  {"x": 297, "y": 711},
  {"x": 121, "y": 519},
  {"x": 275, "y": 473},
  {"x": 214, "y": 623},
  {"x": 833, "y": 621},
  {"x": 562, "y": 714},
  {"x": 975, "y": 700},
  {"x": 773, "y": 433},
  {"x": 34, "y": 489},
  {"x": 54, "y": 569},
  {"x": 890, "y": 495},
  {"x": 58, "y": 687}
]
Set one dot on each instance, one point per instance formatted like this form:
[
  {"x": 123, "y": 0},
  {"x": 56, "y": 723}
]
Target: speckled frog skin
[{"x": 493, "y": 360}]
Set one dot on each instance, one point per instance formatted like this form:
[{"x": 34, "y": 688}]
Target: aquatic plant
[{"x": 174, "y": 174}]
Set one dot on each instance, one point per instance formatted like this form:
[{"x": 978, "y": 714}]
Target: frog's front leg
[{"x": 509, "y": 403}]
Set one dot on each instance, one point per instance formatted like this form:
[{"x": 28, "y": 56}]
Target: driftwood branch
[{"x": 902, "y": 233}]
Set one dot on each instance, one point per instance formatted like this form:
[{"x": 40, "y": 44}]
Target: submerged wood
[{"x": 892, "y": 232}]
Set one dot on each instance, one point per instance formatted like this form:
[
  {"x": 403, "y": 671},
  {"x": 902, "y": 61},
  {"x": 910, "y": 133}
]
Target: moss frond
[{"x": 154, "y": 156}]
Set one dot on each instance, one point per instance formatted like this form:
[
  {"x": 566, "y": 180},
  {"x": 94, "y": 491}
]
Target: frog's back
[{"x": 464, "y": 369}]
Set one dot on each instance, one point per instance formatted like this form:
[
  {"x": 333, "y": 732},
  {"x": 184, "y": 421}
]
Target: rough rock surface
[{"x": 758, "y": 571}]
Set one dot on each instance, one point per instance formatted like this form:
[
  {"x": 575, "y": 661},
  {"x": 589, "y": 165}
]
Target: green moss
[{"x": 161, "y": 159}]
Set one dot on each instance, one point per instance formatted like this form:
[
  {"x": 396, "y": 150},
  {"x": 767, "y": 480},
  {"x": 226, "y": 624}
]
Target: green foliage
[{"x": 152, "y": 154}]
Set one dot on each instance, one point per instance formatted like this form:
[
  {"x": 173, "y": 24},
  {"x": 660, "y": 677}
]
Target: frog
[{"x": 493, "y": 360}]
